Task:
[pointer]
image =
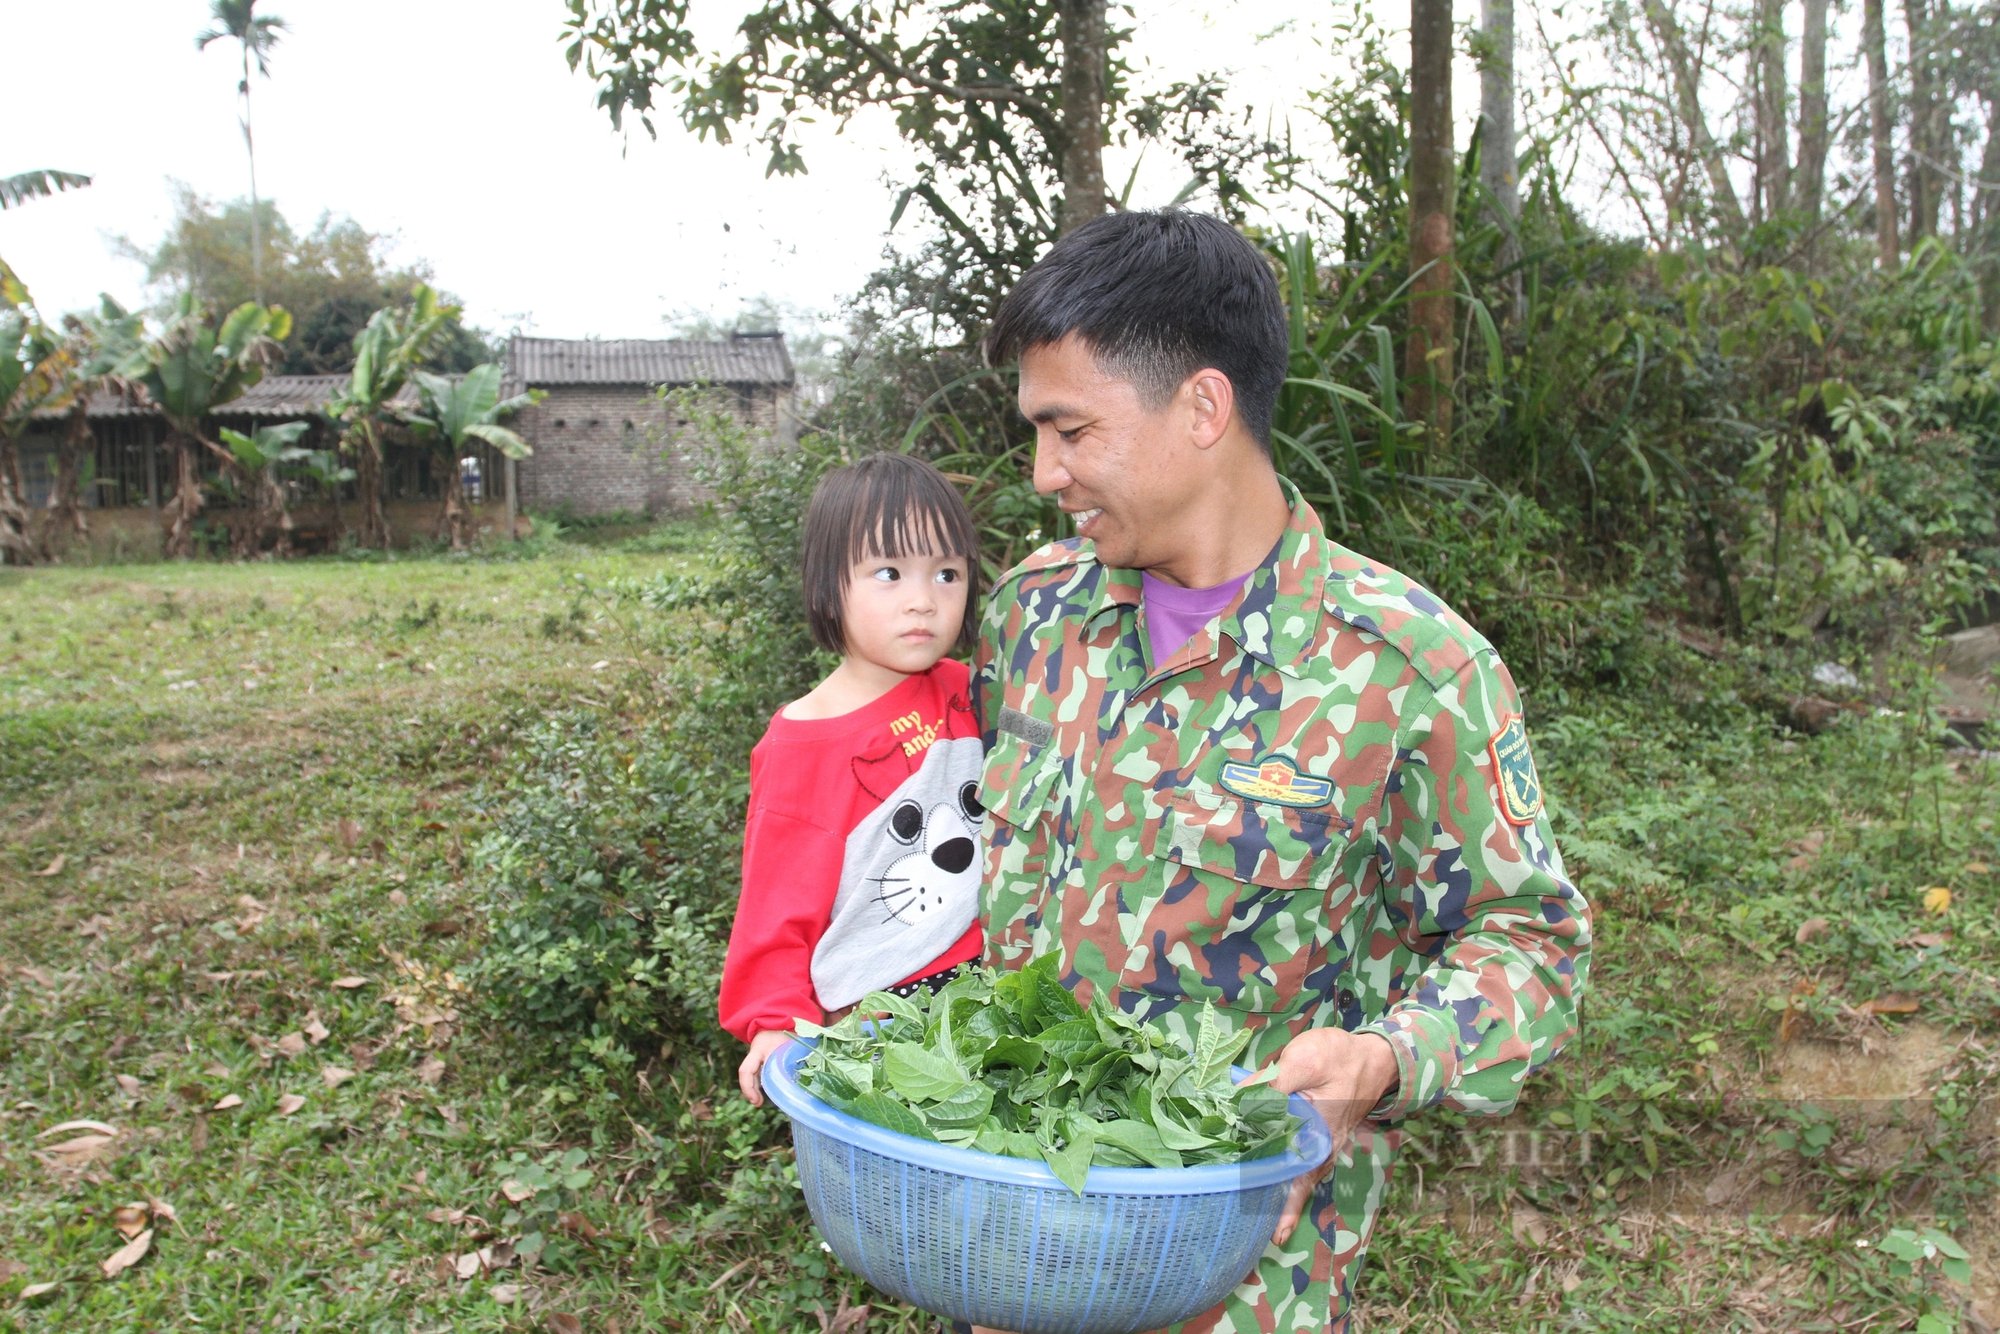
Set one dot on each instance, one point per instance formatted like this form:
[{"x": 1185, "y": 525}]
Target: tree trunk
[
  {"x": 15, "y": 548},
  {"x": 1810, "y": 181},
  {"x": 1926, "y": 181},
  {"x": 1986, "y": 243},
  {"x": 66, "y": 501},
  {"x": 1427, "y": 368},
  {"x": 454, "y": 520},
  {"x": 256, "y": 223},
  {"x": 1887, "y": 247},
  {"x": 1084, "y": 62},
  {"x": 374, "y": 530},
  {"x": 184, "y": 506},
  {"x": 1498, "y": 167},
  {"x": 1773, "y": 146},
  {"x": 1687, "y": 96}
]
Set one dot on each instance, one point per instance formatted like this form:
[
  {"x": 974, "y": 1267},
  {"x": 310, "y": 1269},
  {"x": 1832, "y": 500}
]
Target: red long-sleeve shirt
[{"x": 861, "y": 855}]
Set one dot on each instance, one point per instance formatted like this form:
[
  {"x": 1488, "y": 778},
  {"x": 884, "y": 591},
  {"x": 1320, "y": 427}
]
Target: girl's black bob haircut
[{"x": 884, "y": 505}]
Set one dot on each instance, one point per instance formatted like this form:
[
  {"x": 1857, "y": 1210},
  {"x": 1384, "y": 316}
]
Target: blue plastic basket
[{"x": 1001, "y": 1242}]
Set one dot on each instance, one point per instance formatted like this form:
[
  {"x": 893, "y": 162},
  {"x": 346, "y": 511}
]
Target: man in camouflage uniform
[{"x": 1318, "y": 813}]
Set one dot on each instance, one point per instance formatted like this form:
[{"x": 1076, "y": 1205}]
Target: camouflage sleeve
[
  {"x": 986, "y": 670},
  {"x": 1478, "y": 892}
]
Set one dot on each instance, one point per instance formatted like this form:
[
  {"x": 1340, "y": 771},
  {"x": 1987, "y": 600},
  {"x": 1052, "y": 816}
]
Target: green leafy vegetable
[{"x": 1013, "y": 1064}]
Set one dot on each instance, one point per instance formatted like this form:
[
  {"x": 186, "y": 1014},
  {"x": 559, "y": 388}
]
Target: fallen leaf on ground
[
  {"x": 128, "y": 1255},
  {"x": 506, "y": 1293},
  {"x": 349, "y": 832},
  {"x": 1529, "y": 1226},
  {"x": 163, "y": 1211},
  {"x": 83, "y": 1148},
  {"x": 34, "y": 1290},
  {"x": 216, "y": 1070},
  {"x": 1891, "y": 1004},
  {"x": 129, "y": 1083},
  {"x": 1928, "y": 940},
  {"x": 1812, "y": 928},
  {"x": 39, "y": 976},
  {"x": 335, "y": 1075},
  {"x": 290, "y": 1103},
  {"x": 55, "y": 867},
  {"x": 10, "y": 1270},
  {"x": 399, "y": 898},
  {"x": 349, "y": 983},
  {"x": 292, "y": 1044},
  {"x": 1937, "y": 900},
  {"x": 97, "y": 924},
  {"x": 515, "y": 1191},
  {"x": 98, "y": 1127},
  {"x": 1977, "y": 868},
  {"x": 430, "y": 1070},
  {"x": 562, "y": 1322},
  {"x": 578, "y": 1226},
  {"x": 132, "y": 1219},
  {"x": 315, "y": 1031},
  {"x": 198, "y": 1135},
  {"x": 467, "y": 1264},
  {"x": 227, "y": 1101}
]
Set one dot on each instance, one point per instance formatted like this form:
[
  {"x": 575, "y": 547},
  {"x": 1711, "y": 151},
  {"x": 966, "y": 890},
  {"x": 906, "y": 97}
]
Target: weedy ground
[{"x": 236, "y": 907}]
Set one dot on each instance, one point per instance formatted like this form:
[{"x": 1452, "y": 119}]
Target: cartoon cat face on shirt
[
  {"x": 942, "y": 861},
  {"x": 909, "y": 878}
]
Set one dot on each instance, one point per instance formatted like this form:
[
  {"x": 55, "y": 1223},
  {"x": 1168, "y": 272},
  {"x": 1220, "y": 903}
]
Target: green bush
[{"x": 613, "y": 859}]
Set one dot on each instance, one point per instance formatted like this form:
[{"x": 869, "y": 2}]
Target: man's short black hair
[
  {"x": 1157, "y": 296},
  {"x": 885, "y": 505}
]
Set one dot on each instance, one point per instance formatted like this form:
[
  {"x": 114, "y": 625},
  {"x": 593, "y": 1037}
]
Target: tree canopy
[{"x": 332, "y": 278}]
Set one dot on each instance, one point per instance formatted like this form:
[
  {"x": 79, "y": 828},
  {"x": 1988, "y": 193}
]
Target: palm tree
[
  {"x": 18, "y": 190},
  {"x": 191, "y": 369},
  {"x": 451, "y": 414},
  {"x": 258, "y": 37}
]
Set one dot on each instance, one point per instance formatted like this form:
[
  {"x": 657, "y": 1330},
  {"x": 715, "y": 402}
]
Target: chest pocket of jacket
[{"x": 1246, "y": 895}]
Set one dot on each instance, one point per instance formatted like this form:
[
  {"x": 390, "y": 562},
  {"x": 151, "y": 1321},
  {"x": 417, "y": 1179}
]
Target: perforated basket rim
[{"x": 1310, "y": 1147}]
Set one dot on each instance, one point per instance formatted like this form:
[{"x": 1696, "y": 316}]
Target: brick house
[{"x": 604, "y": 441}]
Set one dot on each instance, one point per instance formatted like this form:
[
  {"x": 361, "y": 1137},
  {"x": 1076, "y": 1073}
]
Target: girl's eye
[
  {"x": 888, "y": 574},
  {"x": 949, "y": 576}
]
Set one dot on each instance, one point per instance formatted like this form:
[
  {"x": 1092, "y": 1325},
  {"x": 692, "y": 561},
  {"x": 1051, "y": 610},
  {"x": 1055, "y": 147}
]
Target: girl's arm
[{"x": 791, "y": 871}]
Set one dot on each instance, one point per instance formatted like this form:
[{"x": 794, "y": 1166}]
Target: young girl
[{"x": 861, "y": 855}]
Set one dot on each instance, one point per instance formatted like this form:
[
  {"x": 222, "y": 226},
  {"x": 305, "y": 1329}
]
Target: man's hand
[
  {"x": 1343, "y": 1075},
  {"x": 761, "y": 1048}
]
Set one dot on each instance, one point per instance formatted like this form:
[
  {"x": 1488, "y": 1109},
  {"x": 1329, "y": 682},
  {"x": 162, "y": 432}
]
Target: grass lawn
[{"x": 236, "y": 897}]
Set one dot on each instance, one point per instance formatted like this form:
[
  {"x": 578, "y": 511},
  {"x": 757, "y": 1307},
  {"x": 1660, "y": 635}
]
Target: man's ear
[{"x": 1212, "y": 400}]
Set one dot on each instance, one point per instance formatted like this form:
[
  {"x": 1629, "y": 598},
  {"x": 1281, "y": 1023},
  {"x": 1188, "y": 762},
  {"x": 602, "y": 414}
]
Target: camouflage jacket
[{"x": 1320, "y": 811}]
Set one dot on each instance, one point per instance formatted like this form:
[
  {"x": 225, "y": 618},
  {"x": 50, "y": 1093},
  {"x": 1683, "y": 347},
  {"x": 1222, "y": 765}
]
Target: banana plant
[
  {"x": 451, "y": 414},
  {"x": 103, "y": 343},
  {"x": 387, "y": 352},
  {"x": 258, "y": 456},
  {"x": 191, "y": 369},
  {"x": 37, "y": 367}
]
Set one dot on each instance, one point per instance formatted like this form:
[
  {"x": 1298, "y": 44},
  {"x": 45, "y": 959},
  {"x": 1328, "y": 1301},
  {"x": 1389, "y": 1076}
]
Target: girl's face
[{"x": 901, "y": 614}]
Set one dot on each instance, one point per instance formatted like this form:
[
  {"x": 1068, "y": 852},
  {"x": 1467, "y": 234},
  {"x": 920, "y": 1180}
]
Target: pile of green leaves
[{"x": 1013, "y": 1064}]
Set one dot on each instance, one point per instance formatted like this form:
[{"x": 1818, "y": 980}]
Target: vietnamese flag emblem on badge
[
  {"x": 1514, "y": 772},
  {"x": 1277, "y": 780}
]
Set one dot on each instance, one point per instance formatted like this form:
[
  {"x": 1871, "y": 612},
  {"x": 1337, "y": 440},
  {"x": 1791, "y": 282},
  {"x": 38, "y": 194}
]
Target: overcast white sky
[{"x": 456, "y": 127}]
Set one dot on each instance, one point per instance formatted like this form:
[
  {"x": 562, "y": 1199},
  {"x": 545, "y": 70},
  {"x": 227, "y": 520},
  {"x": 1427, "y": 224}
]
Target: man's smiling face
[{"x": 1122, "y": 470}]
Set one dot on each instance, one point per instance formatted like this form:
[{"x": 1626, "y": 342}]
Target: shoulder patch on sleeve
[{"x": 1514, "y": 772}]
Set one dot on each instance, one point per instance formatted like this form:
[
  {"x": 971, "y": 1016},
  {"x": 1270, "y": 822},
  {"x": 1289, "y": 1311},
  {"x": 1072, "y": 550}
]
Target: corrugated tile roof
[
  {"x": 283, "y": 397},
  {"x": 742, "y": 359}
]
